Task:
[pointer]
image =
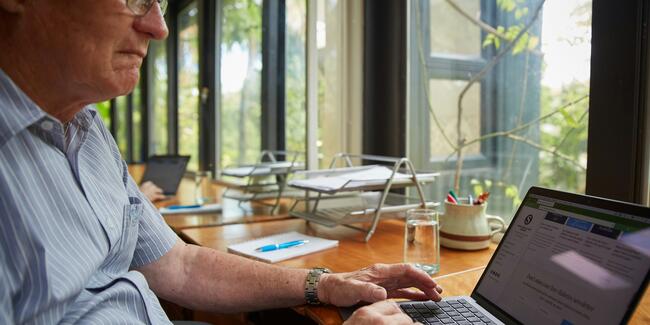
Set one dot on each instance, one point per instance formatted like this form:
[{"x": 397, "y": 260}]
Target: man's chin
[{"x": 125, "y": 82}]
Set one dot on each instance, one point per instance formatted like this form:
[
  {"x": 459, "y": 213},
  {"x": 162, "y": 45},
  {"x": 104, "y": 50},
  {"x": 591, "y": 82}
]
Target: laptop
[
  {"x": 565, "y": 259},
  {"x": 166, "y": 171}
]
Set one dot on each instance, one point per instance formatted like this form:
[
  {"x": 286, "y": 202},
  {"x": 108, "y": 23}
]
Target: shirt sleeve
[
  {"x": 6, "y": 306},
  {"x": 155, "y": 237}
]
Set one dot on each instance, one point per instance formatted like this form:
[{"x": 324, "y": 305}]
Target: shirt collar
[{"x": 20, "y": 112}]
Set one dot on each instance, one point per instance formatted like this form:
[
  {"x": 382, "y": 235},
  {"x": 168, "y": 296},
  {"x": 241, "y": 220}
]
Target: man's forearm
[{"x": 206, "y": 279}]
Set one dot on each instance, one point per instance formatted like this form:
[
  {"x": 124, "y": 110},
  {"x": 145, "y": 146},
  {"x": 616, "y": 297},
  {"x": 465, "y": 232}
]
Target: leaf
[
  {"x": 520, "y": 12},
  {"x": 488, "y": 183},
  {"x": 506, "y": 5},
  {"x": 533, "y": 41},
  {"x": 478, "y": 189},
  {"x": 489, "y": 39},
  {"x": 570, "y": 121},
  {"x": 521, "y": 45},
  {"x": 497, "y": 43},
  {"x": 512, "y": 192}
]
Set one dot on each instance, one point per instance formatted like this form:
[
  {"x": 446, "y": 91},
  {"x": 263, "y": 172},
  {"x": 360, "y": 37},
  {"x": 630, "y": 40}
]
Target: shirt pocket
[
  {"x": 130, "y": 225},
  {"x": 120, "y": 256}
]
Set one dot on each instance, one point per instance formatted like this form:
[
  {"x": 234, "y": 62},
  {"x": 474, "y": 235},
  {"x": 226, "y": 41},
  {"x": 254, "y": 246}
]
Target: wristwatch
[{"x": 311, "y": 285}]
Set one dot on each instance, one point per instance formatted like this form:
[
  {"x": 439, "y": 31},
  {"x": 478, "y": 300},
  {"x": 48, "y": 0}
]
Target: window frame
[{"x": 619, "y": 39}]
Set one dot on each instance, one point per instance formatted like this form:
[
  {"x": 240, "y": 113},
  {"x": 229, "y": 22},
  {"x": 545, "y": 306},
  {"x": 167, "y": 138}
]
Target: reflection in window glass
[
  {"x": 447, "y": 27},
  {"x": 159, "y": 98},
  {"x": 188, "y": 84},
  {"x": 241, "y": 66},
  {"x": 295, "y": 77},
  {"x": 524, "y": 122},
  {"x": 121, "y": 123},
  {"x": 136, "y": 127},
  {"x": 445, "y": 94}
]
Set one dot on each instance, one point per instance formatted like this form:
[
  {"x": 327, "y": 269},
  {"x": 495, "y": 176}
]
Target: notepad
[
  {"x": 315, "y": 244},
  {"x": 206, "y": 208}
]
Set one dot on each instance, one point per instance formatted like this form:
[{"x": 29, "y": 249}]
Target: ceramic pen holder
[{"x": 467, "y": 227}]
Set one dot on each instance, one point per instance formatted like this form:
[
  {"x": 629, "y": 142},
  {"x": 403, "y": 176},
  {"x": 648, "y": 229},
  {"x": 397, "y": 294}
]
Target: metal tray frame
[
  {"x": 250, "y": 190},
  {"x": 346, "y": 215}
]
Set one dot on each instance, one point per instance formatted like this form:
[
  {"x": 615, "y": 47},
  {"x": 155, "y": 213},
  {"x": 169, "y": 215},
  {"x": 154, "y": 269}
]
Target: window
[
  {"x": 104, "y": 111},
  {"x": 188, "y": 84},
  {"x": 517, "y": 80},
  {"x": 121, "y": 108},
  {"x": 295, "y": 75},
  {"x": 136, "y": 124},
  {"x": 241, "y": 66},
  {"x": 158, "y": 97},
  {"x": 339, "y": 27}
]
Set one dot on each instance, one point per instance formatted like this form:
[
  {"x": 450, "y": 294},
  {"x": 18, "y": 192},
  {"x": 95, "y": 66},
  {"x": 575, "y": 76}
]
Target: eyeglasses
[{"x": 142, "y": 7}]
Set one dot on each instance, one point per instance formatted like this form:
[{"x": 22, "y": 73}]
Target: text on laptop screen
[{"x": 565, "y": 263}]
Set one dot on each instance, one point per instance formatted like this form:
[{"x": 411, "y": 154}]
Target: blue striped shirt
[{"x": 73, "y": 223}]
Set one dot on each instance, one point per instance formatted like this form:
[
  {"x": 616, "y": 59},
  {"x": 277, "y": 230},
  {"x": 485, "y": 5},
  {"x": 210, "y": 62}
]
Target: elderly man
[{"x": 79, "y": 242}]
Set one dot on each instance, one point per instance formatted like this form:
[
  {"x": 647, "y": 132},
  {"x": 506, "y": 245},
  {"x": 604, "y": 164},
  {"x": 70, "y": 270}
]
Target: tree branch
[
  {"x": 482, "y": 25},
  {"x": 542, "y": 148},
  {"x": 489, "y": 66},
  {"x": 519, "y": 128}
]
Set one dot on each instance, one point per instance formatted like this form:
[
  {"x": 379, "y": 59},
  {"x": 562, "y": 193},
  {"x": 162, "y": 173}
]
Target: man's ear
[{"x": 12, "y": 6}]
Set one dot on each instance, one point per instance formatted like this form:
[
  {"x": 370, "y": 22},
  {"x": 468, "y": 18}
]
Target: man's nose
[{"x": 153, "y": 23}]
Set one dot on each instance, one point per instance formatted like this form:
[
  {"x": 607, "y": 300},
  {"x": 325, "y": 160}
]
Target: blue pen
[
  {"x": 176, "y": 207},
  {"x": 272, "y": 247}
]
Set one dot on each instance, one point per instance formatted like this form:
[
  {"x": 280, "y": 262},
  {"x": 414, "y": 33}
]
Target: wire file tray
[
  {"x": 359, "y": 194},
  {"x": 264, "y": 181}
]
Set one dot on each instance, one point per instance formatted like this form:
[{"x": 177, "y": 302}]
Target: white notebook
[{"x": 248, "y": 248}]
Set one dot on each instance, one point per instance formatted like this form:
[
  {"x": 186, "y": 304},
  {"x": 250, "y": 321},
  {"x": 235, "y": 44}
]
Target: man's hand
[
  {"x": 151, "y": 191},
  {"x": 383, "y": 312},
  {"x": 376, "y": 283}
]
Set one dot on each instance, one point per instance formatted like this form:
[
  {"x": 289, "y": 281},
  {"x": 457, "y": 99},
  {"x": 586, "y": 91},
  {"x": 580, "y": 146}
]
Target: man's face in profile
[{"x": 95, "y": 46}]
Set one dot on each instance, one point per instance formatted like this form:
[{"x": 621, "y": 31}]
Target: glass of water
[
  {"x": 203, "y": 187},
  {"x": 421, "y": 240}
]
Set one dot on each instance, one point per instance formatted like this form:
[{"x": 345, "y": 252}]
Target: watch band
[{"x": 311, "y": 285}]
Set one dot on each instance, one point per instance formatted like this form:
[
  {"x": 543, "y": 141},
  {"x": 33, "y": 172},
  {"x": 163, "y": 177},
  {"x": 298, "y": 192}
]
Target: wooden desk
[
  {"x": 458, "y": 275},
  {"x": 351, "y": 254},
  {"x": 232, "y": 212}
]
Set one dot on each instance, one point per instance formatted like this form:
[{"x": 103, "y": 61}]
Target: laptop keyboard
[{"x": 445, "y": 312}]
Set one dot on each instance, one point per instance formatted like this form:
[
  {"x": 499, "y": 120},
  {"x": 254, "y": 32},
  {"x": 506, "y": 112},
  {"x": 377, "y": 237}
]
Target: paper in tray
[
  {"x": 261, "y": 169},
  {"x": 374, "y": 175}
]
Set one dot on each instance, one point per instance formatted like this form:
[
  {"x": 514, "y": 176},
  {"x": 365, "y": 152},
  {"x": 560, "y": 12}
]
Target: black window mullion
[
  {"x": 384, "y": 77},
  {"x": 207, "y": 83},
  {"x": 172, "y": 79},
  {"x": 145, "y": 109},
  {"x": 114, "y": 118},
  {"x": 615, "y": 165},
  {"x": 273, "y": 75},
  {"x": 129, "y": 128}
]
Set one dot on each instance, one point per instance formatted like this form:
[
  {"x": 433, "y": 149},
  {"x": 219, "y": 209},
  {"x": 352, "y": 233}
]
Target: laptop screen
[
  {"x": 563, "y": 262},
  {"x": 166, "y": 172}
]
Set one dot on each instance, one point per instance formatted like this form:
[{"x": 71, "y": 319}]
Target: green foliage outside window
[
  {"x": 241, "y": 99},
  {"x": 104, "y": 110}
]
